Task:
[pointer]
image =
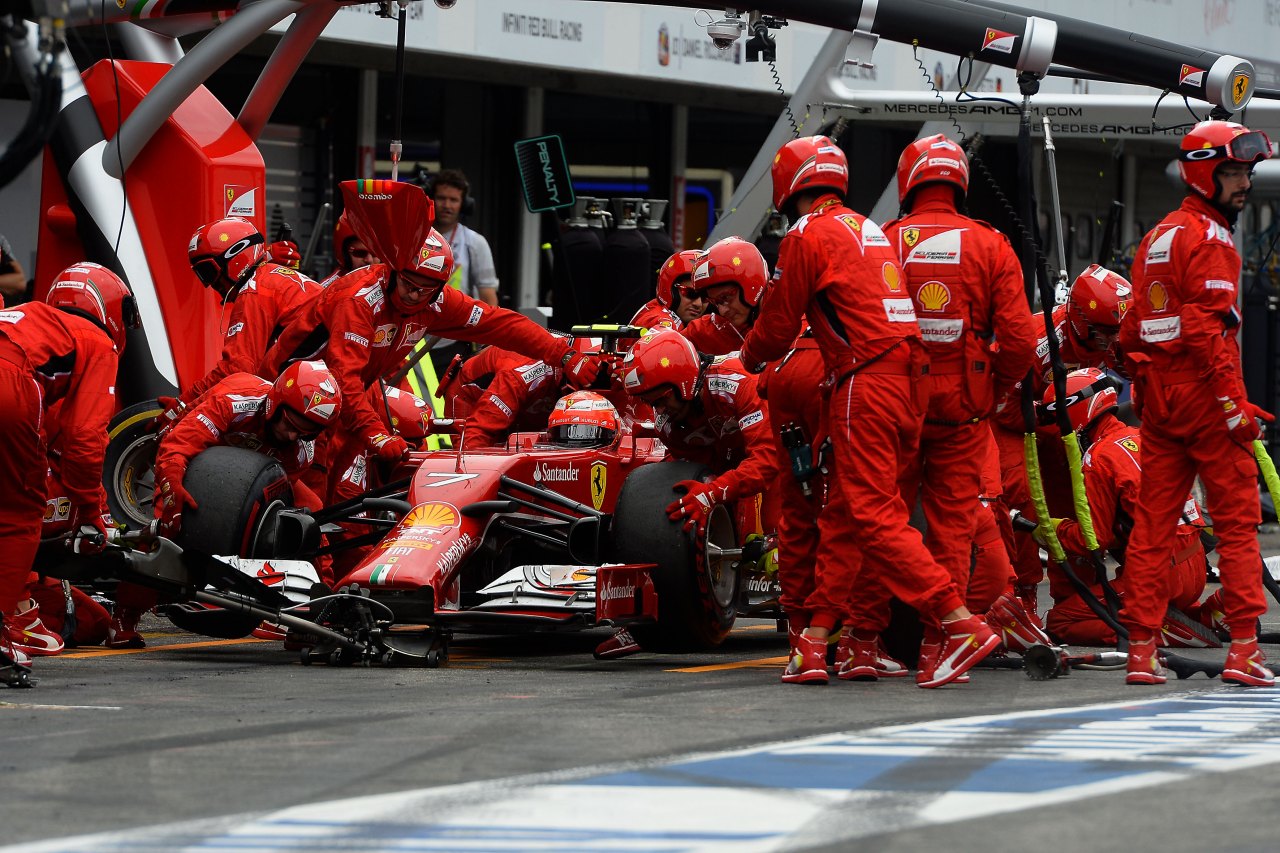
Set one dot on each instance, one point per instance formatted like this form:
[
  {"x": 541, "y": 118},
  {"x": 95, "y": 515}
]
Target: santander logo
[{"x": 545, "y": 473}]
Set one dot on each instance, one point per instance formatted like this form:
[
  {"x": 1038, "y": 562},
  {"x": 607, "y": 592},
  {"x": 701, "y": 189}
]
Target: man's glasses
[
  {"x": 691, "y": 294},
  {"x": 359, "y": 253}
]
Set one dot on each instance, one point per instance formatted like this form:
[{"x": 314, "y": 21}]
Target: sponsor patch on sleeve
[
  {"x": 900, "y": 310},
  {"x": 356, "y": 339},
  {"x": 1219, "y": 284},
  {"x": 209, "y": 425},
  {"x": 502, "y": 406},
  {"x": 476, "y": 313},
  {"x": 751, "y": 420},
  {"x": 236, "y": 328}
]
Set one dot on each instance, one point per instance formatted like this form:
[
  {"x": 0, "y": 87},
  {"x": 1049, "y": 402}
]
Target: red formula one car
[{"x": 531, "y": 536}]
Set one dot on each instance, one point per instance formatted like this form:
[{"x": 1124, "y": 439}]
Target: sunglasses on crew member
[
  {"x": 690, "y": 293},
  {"x": 307, "y": 430},
  {"x": 415, "y": 283},
  {"x": 359, "y": 253}
]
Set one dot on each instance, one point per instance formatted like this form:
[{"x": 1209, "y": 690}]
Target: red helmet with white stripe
[
  {"x": 678, "y": 266},
  {"x": 1209, "y": 145},
  {"x": 808, "y": 163},
  {"x": 95, "y": 292},
  {"x": 1096, "y": 304},
  {"x": 933, "y": 159},
  {"x": 410, "y": 415},
  {"x": 225, "y": 253},
  {"x": 582, "y": 419}
]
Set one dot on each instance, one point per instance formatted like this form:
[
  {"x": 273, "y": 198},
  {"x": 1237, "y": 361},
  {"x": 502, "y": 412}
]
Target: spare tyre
[{"x": 697, "y": 589}]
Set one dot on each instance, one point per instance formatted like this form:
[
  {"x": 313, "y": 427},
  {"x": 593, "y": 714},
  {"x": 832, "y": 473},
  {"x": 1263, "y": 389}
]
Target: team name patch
[{"x": 1163, "y": 329}]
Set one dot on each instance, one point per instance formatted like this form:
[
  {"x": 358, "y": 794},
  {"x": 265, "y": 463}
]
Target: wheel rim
[
  {"x": 722, "y": 577},
  {"x": 133, "y": 480}
]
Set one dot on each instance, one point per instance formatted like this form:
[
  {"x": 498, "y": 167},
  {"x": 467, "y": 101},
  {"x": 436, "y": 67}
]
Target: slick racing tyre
[
  {"x": 237, "y": 492},
  {"x": 127, "y": 470},
  {"x": 697, "y": 590}
]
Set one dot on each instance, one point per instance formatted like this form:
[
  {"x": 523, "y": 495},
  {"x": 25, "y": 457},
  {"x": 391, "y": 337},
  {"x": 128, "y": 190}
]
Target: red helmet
[
  {"x": 306, "y": 388},
  {"x": 732, "y": 261},
  {"x": 1210, "y": 144},
  {"x": 224, "y": 254},
  {"x": 96, "y": 292},
  {"x": 410, "y": 415},
  {"x": 433, "y": 266},
  {"x": 583, "y": 419},
  {"x": 665, "y": 357},
  {"x": 808, "y": 163},
  {"x": 1090, "y": 395},
  {"x": 678, "y": 266},
  {"x": 1098, "y": 301},
  {"x": 932, "y": 159}
]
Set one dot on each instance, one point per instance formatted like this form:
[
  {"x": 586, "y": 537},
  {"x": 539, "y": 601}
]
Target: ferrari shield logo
[
  {"x": 911, "y": 236},
  {"x": 1239, "y": 88},
  {"x": 599, "y": 477}
]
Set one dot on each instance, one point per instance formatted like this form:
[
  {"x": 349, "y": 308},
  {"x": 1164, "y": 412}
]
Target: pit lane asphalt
[{"x": 192, "y": 728}]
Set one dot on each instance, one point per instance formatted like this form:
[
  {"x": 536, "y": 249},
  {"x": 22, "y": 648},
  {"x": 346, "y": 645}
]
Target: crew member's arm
[
  {"x": 87, "y": 408},
  {"x": 783, "y": 305},
  {"x": 1011, "y": 321}
]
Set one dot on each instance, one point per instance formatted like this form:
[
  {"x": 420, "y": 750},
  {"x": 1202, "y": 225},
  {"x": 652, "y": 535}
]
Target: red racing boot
[
  {"x": 1008, "y": 617},
  {"x": 8, "y": 650},
  {"x": 122, "y": 632},
  {"x": 28, "y": 634},
  {"x": 929, "y": 647},
  {"x": 965, "y": 642},
  {"x": 808, "y": 664},
  {"x": 1245, "y": 665},
  {"x": 1144, "y": 663},
  {"x": 879, "y": 662}
]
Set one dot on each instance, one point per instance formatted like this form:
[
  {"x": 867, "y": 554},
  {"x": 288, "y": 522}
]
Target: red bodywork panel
[{"x": 199, "y": 167}]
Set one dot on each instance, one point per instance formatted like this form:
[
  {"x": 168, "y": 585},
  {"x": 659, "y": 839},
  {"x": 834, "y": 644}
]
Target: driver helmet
[{"x": 583, "y": 419}]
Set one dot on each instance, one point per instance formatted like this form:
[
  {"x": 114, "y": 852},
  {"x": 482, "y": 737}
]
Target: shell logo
[
  {"x": 1158, "y": 296},
  {"x": 892, "y": 278},
  {"x": 934, "y": 296},
  {"x": 664, "y": 361},
  {"x": 911, "y": 236},
  {"x": 438, "y": 515},
  {"x": 223, "y": 237},
  {"x": 737, "y": 261}
]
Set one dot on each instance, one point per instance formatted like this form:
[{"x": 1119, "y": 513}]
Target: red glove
[
  {"x": 388, "y": 448},
  {"x": 170, "y": 501},
  {"x": 1241, "y": 419},
  {"x": 173, "y": 409},
  {"x": 696, "y": 505},
  {"x": 285, "y": 253},
  {"x": 88, "y": 532},
  {"x": 580, "y": 369}
]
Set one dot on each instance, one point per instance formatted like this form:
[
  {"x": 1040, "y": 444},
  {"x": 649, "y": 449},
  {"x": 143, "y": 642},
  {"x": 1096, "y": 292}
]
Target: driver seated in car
[
  {"x": 583, "y": 419},
  {"x": 508, "y": 393}
]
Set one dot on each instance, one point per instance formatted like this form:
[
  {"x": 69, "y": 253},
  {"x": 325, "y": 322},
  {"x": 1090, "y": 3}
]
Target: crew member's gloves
[
  {"x": 285, "y": 253},
  {"x": 1041, "y": 533},
  {"x": 580, "y": 369},
  {"x": 171, "y": 501},
  {"x": 696, "y": 505},
  {"x": 1241, "y": 418},
  {"x": 388, "y": 448},
  {"x": 88, "y": 532},
  {"x": 173, "y": 409}
]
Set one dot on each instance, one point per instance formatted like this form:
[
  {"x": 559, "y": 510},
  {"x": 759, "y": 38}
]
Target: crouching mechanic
[
  {"x": 676, "y": 304},
  {"x": 228, "y": 257},
  {"x": 1112, "y": 470},
  {"x": 707, "y": 412},
  {"x": 366, "y": 323},
  {"x": 63, "y": 350}
]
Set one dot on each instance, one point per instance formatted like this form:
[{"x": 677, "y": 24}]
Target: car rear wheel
[{"x": 697, "y": 588}]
